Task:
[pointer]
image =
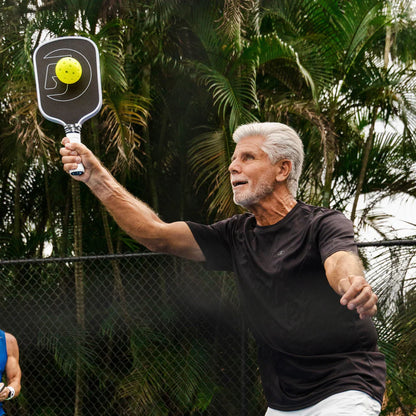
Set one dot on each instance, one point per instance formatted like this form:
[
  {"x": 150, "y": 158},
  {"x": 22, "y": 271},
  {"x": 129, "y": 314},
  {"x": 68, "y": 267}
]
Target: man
[
  {"x": 9, "y": 364},
  {"x": 301, "y": 281}
]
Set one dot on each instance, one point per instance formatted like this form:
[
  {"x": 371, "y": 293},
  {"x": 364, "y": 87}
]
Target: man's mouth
[{"x": 237, "y": 183}]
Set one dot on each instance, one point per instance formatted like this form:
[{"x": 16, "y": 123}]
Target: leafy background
[{"x": 178, "y": 77}]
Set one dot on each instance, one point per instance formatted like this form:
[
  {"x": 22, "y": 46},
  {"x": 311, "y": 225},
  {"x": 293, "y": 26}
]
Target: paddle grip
[{"x": 73, "y": 132}]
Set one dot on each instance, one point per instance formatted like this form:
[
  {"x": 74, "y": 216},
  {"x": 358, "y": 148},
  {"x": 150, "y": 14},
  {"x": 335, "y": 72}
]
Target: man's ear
[{"x": 284, "y": 167}]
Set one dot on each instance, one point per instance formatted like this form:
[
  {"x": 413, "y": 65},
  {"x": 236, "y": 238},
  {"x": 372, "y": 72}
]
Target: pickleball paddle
[{"x": 68, "y": 83}]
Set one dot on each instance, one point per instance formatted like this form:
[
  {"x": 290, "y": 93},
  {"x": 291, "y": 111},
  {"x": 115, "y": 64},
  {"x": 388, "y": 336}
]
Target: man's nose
[{"x": 234, "y": 166}]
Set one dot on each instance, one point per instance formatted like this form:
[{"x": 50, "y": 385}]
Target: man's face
[{"x": 252, "y": 175}]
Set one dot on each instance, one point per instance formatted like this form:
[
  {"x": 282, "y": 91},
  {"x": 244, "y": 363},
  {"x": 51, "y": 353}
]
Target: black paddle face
[{"x": 58, "y": 101}]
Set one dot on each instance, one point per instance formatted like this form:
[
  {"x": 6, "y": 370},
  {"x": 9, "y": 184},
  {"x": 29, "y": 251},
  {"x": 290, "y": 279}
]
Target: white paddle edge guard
[{"x": 76, "y": 138}]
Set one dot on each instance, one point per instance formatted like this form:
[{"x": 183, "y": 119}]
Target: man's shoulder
[
  {"x": 321, "y": 219},
  {"x": 316, "y": 211},
  {"x": 10, "y": 338},
  {"x": 235, "y": 221},
  {"x": 226, "y": 228}
]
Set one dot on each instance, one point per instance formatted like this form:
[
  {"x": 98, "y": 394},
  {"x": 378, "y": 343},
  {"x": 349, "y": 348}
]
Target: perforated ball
[{"x": 68, "y": 70}]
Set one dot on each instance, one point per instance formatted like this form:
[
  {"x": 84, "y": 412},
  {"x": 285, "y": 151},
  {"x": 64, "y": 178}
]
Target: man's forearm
[
  {"x": 345, "y": 274},
  {"x": 341, "y": 265},
  {"x": 134, "y": 216}
]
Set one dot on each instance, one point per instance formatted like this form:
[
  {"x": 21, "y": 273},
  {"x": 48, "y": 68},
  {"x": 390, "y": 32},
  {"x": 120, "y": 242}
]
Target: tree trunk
[
  {"x": 50, "y": 211},
  {"x": 118, "y": 283},
  {"x": 329, "y": 157},
  {"x": 4, "y": 189},
  {"x": 370, "y": 140},
  {"x": 367, "y": 149},
  {"x": 145, "y": 92},
  {"x": 80, "y": 300},
  {"x": 63, "y": 241},
  {"x": 16, "y": 203}
]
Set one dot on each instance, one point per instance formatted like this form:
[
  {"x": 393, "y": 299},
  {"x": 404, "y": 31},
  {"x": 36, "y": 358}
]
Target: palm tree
[
  {"x": 120, "y": 111},
  {"x": 178, "y": 77},
  {"x": 395, "y": 324},
  {"x": 228, "y": 71},
  {"x": 354, "y": 90}
]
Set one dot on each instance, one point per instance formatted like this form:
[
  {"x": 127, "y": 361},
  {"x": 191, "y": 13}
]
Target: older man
[{"x": 301, "y": 282}]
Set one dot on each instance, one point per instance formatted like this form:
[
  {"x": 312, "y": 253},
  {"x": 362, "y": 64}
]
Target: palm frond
[
  {"x": 232, "y": 20},
  {"x": 209, "y": 157},
  {"x": 233, "y": 98},
  {"x": 22, "y": 106},
  {"x": 183, "y": 370},
  {"x": 123, "y": 113},
  {"x": 112, "y": 56},
  {"x": 393, "y": 278},
  {"x": 271, "y": 47},
  {"x": 67, "y": 347}
]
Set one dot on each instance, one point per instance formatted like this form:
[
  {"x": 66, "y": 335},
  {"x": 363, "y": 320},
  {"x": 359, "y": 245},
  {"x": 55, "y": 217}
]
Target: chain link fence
[
  {"x": 141, "y": 334},
  {"x": 135, "y": 334}
]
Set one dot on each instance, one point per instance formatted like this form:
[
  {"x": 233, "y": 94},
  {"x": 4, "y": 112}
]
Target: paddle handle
[{"x": 73, "y": 132}]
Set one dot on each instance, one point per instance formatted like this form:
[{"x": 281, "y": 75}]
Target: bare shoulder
[
  {"x": 10, "y": 338},
  {"x": 11, "y": 343}
]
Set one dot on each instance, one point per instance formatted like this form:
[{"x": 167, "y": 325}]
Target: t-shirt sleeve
[
  {"x": 212, "y": 240},
  {"x": 335, "y": 233}
]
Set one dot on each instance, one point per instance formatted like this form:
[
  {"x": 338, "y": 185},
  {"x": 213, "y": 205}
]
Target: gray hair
[{"x": 281, "y": 142}]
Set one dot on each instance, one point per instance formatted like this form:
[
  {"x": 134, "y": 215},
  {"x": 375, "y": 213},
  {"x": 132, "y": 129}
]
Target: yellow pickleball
[{"x": 68, "y": 70}]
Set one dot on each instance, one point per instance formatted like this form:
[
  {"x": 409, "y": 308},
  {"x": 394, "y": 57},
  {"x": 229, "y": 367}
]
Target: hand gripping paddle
[{"x": 68, "y": 84}]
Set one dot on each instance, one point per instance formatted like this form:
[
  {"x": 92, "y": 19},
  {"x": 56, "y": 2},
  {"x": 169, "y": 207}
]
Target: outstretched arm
[
  {"x": 345, "y": 274},
  {"x": 134, "y": 216}
]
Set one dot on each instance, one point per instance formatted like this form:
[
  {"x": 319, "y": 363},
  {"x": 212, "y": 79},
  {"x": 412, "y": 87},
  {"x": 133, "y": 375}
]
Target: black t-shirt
[{"x": 310, "y": 346}]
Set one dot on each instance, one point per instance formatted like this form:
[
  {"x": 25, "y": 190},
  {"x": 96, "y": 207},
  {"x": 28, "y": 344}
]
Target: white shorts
[{"x": 347, "y": 403}]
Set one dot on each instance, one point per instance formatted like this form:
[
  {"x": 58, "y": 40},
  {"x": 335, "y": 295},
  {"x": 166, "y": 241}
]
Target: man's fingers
[
  {"x": 343, "y": 286},
  {"x": 74, "y": 153},
  {"x": 70, "y": 159},
  {"x": 68, "y": 167},
  {"x": 349, "y": 288},
  {"x": 367, "y": 313},
  {"x": 361, "y": 295},
  {"x": 367, "y": 304},
  {"x": 358, "y": 294},
  {"x": 72, "y": 149},
  {"x": 352, "y": 286},
  {"x": 77, "y": 147},
  {"x": 67, "y": 152}
]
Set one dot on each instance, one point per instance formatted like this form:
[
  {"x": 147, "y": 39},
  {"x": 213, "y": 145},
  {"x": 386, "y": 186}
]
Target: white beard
[{"x": 249, "y": 198}]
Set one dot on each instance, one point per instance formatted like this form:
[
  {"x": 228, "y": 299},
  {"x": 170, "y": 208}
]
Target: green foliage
[
  {"x": 183, "y": 367},
  {"x": 178, "y": 77},
  {"x": 396, "y": 324}
]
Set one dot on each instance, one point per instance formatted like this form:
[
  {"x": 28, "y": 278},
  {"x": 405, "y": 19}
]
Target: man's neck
[{"x": 273, "y": 210}]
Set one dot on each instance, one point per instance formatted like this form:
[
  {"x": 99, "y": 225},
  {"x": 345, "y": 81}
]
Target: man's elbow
[{"x": 157, "y": 246}]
